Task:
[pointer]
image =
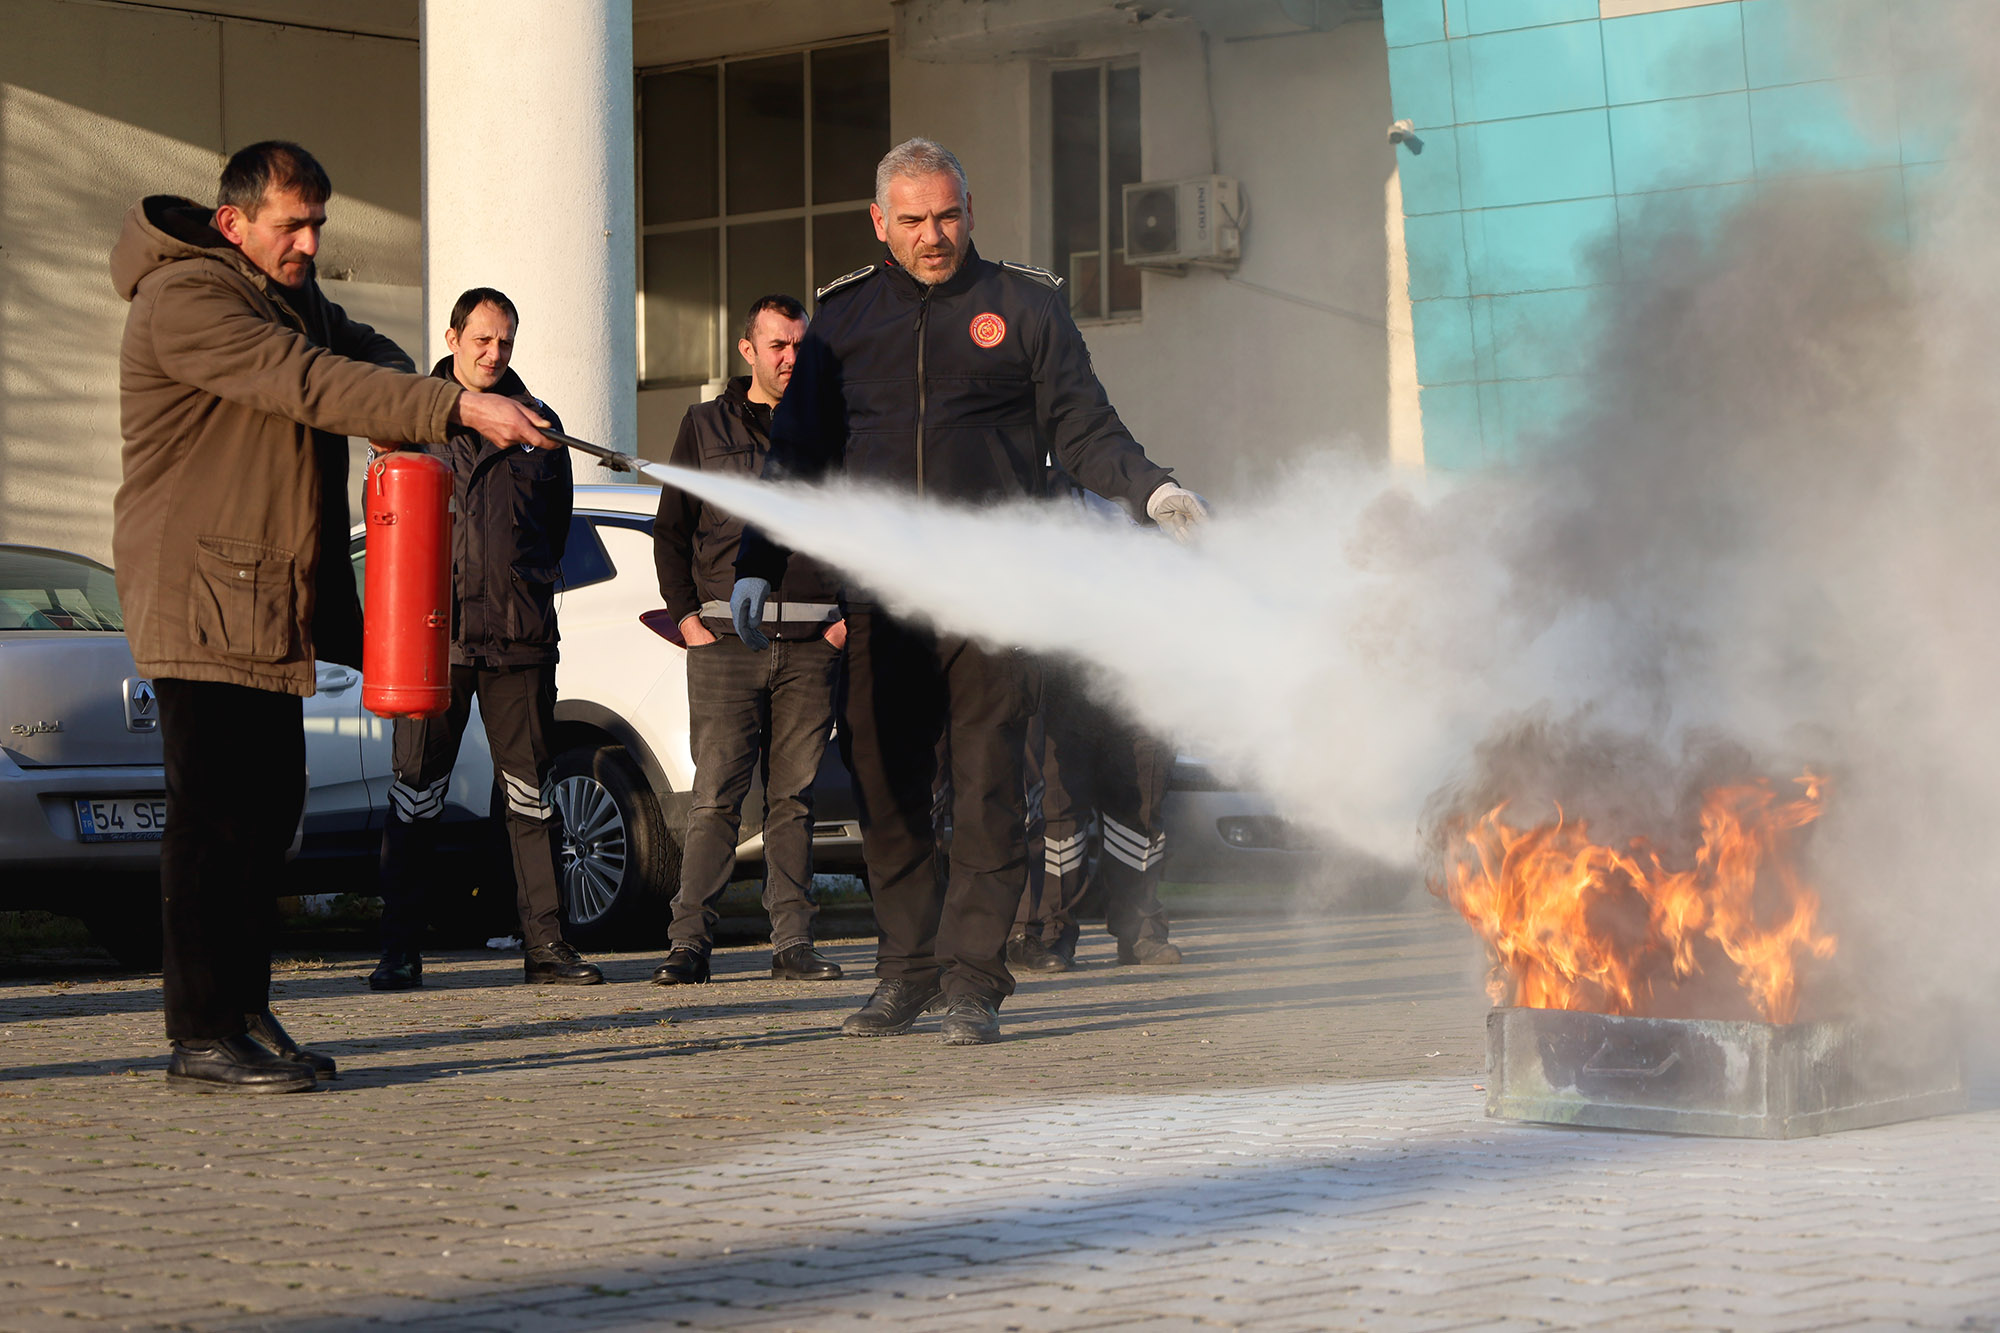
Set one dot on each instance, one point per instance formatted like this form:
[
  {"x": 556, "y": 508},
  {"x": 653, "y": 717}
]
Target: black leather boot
[
  {"x": 891, "y": 1009},
  {"x": 684, "y": 967},
  {"x": 1150, "y": 953},
  {"x": 235, "y": 1064},
  {"x": 1025, "y": 951},
  {"x": 397, "y": 971},
  {"x": 802, "y": 962},
  {"x": 559, "y": 965},
  {"x": 266, "y": 1028},
  {"x": 971, "y": 1020}
]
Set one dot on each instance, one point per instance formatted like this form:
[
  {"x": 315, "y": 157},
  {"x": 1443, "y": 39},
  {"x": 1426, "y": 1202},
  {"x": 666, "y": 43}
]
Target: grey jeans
[{"x": 773, "y": 708}]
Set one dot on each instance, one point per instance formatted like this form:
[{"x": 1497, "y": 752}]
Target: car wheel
[{"x": 618, "y": 864}]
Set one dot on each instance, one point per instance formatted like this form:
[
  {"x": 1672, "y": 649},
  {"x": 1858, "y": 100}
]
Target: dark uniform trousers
[
  {"x": 518, "y": 707},
  {"x": 909, "y": 689},
  {"x": 744, "y": 706},
  {"x": 236, "y": 784},
  {"x": 1093, "y": 762}
]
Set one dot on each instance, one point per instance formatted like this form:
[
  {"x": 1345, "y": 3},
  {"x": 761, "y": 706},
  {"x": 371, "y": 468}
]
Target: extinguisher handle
[{"x": 611, "y": 458}]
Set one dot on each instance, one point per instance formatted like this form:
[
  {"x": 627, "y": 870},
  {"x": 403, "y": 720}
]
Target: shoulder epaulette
[
  {"x": 843, "y": 281},
  {"x": 1038, "y": 274}
]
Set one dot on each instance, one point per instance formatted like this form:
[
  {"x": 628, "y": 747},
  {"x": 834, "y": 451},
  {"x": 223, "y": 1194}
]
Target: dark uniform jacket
[
  {"x": 961, "y": 391},
  {"x": 695, "y": 544},
  {"x": 507, "y": 541}
]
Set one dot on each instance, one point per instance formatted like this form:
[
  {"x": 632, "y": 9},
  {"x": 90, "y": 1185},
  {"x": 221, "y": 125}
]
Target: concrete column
[{"x": 528, "y": 187}]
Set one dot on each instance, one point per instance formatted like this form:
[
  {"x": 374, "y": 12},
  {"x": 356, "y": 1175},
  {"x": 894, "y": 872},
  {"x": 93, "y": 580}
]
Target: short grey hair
[{"x": 916, "y": 157}]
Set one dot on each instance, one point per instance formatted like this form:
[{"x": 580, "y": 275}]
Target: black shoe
[
  {"x": 266, "y": 1028},
  {"x": 559, "y": 965},
  {"x": 802, "y": 962},
  {"x": 971, "y": 1020},
  {"x": 684, "y": 967},
  {"x": 1025, "y": 951},
  {"x": 891, "y": 1009},
  {"x": 397, "y": 971},
  {"x": 235, "y": 1064},
  {"x": 1152, "y": 953}
]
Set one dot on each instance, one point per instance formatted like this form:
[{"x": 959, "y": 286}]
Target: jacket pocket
[
  {"x": 531, "y": 611},
  {"x": 242, "y": 602}
]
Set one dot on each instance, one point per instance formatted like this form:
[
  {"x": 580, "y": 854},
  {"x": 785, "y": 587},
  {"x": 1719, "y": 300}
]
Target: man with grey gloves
[
  {"x": 941, "y": 372},
  {"x": 744, "y": 706},
  {"x": 237, "y": 379}
]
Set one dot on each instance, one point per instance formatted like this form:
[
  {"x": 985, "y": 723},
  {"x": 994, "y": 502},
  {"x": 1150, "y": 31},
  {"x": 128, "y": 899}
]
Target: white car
[{"x": 622, "y": 765}]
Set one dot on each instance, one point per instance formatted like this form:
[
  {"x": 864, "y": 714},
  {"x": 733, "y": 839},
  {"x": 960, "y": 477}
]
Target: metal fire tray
[{"x": 1706, "y": 1076}]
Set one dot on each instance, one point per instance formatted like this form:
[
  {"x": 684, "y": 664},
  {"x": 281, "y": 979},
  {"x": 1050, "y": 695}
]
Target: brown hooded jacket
[{"x": 216, "y": 529}]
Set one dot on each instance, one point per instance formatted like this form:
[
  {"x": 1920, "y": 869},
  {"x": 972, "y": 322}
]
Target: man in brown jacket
[{"x": 238, "y": 380}]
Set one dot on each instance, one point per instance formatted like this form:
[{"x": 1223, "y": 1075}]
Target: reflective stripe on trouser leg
[
  {"x": 414, "y": 803},
  {"x": 524, "y": 798},
  {"x": 1064, "y": 855},
  {"x": 1132, "y": 847}
]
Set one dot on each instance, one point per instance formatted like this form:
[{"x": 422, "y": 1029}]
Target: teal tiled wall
[{"x": 1558, "y": 144}]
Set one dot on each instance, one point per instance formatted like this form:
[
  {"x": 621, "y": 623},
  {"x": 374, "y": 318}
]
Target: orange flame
[{"x": 1574, "y": 924}]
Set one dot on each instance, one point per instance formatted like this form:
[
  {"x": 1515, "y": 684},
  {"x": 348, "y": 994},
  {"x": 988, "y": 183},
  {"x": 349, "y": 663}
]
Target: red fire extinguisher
[{"x": 406, "y": 625}]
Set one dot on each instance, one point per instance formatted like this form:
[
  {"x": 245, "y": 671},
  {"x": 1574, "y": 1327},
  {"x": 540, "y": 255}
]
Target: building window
[
  {"x": 1094, "y": 124},
  {"x": 755, "y": 177}
]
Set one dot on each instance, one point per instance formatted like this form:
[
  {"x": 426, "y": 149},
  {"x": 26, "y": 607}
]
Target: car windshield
[{"x": 53, "y": 590}]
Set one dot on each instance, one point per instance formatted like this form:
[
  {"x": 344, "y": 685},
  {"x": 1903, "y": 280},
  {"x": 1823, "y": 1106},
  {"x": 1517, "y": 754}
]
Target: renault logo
[{"x": 142, "y": 706}]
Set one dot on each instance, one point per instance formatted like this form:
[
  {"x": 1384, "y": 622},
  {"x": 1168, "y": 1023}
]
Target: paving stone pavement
[{"x": 1285, "y": 1133}]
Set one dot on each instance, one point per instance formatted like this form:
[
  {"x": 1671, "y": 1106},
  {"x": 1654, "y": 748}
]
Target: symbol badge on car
[{"x": 142, "y": 706}]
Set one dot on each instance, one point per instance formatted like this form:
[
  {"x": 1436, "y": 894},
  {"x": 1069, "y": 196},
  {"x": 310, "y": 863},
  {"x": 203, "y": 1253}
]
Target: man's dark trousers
[
  {"x": 236, "y": 784},
  {"x": 1093, "y": 762},
  {"x": 776, "y": 705},
  {"x": 518, "y": 707},
  {"x": 908, "y": 687}
]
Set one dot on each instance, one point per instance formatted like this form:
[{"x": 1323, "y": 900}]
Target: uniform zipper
[{"x": 923, "y": 315}]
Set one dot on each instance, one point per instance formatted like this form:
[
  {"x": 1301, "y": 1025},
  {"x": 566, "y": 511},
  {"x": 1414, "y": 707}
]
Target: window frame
[
  {"x": 723, "y": 219},
  {"x": 1106, "y": 201}
]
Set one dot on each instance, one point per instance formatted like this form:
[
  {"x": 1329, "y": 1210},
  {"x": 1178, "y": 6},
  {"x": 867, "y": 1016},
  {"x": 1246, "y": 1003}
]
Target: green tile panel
[
  {"x": 1535, "y": 160},
  {"x": 1674, "y": 53},
  {"x": 1684, "y": 142},
  {"x": 1528, "y": 73}
]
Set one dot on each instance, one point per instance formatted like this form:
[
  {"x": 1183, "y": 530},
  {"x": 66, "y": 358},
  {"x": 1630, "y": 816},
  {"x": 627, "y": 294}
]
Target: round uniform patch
[{"x": 988, "y": 329}]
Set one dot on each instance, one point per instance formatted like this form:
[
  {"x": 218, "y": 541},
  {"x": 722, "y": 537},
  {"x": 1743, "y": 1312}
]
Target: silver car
[{"x": 82, "y": 793}]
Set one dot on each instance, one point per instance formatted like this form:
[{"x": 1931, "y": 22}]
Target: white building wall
[{"x": 101, "y": 105}]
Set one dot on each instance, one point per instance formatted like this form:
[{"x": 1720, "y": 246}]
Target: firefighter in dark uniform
[
  {"x": 744, "y": 706},
  {"x": 513, "y": 515},
  {"x": 941, "y": 372}
]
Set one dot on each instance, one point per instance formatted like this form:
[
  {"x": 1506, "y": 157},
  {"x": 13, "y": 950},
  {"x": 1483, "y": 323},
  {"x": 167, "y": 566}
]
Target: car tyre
[{"x": 617, "y": 863}]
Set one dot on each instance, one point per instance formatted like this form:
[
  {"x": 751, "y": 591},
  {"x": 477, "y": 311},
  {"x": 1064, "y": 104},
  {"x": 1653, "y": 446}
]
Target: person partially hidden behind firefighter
[
  {"x": 745, "y": 707},
  {"x": 238, "y": 381},
  {"x": 513, "y": 517}
]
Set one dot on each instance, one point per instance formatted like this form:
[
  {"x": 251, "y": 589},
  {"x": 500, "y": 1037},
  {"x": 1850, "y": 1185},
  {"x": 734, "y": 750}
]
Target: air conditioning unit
[{"x": 1194, "y": 221}]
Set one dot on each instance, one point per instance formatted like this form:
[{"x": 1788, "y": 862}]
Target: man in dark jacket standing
[
  {"x": 237, "y": 379},
  {"x": 744, "y": 705},
  {"x": 513, "y": 516},
  {"x": 941, "y": 372}
]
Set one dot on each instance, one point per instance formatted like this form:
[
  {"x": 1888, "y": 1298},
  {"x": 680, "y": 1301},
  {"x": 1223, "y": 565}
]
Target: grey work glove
[
  {"x": 1177, "y": 510},
  {"x": 746, "y": 611}
]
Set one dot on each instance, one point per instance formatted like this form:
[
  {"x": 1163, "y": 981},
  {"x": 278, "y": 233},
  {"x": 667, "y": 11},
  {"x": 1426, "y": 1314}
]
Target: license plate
[{"x": 121, "y": 818}]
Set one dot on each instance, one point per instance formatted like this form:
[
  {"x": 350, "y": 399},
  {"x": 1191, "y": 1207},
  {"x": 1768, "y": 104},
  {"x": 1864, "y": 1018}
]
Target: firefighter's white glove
[
  {"x": 746, "y": 611},
  {"x": 1178, "y": 511}
]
